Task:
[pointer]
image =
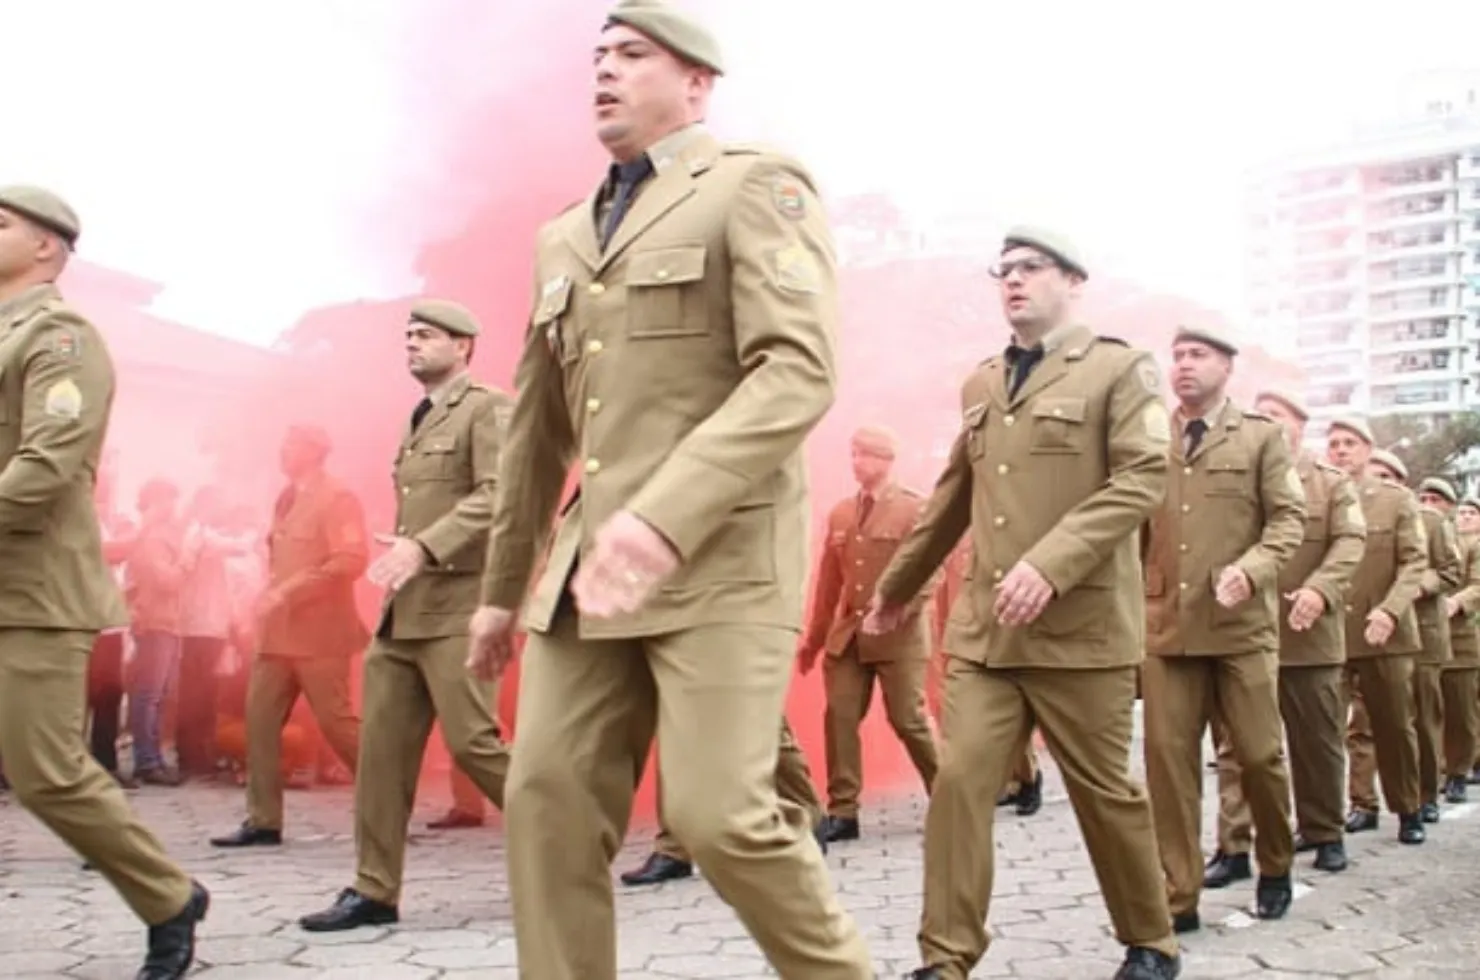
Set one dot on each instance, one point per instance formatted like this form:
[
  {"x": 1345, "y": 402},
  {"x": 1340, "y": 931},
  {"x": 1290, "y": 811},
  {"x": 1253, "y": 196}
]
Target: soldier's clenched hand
[
  {"x": 629, "y": 560},
  {"x": 1022, "y": 596}
]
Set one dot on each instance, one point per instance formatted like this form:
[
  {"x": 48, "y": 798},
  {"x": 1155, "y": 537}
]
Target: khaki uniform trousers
[
  {"x": 1085, "y": 717},
  {"x": 272, "y": 690},
  {"x": 1381, "y": 735},
  {"x": 1314, "y": 715},
  {"x": 588, "y": 711},
  {"x": 793, "y": 785},
  {"x": 408, "y": 685},
  {"x": 1461, "y": 719},
  {"x": 467, "y": 797},
  {"x": 1428, "y": 723},
  {"x": 849, "y": 685},
  {"x": 1183, "y": 695},
  {"x": 43, "y": 680}
]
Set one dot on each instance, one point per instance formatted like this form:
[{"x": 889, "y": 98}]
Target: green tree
[{"x": 1445, "y": 449}]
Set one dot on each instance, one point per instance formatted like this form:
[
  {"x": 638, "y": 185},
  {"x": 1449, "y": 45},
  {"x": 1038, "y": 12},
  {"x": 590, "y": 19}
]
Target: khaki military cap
[
  {"x": 45, "y": 209},
  {"x": 1441, "y": 487},
  {"x": 672, "y": 28},
  {"x": 1384, "y": 458},
  {"x": 1289, "y": 399},
  {"x": 1471, "y": 502},
  {"x": 1215, "y": 339},
  {"x": 455, "y": 319},
  {"x": 1048, "y": 242},
  {"x": 1357, "y": 427},
  {"x": 876, "y": 439}
]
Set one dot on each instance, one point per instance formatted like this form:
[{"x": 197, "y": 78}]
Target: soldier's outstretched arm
[
  {"x": 945, "y": 517},
  {"x": 783, "y": 292},
  {"x": 538, "y": 448},
  {"x": 1348, "y": 542},
  {"x": 1283, "y": 497},
  {"x": 1137, "y": 437},
  {"x": 67, "y": 384},
  {"x": 348, "y": 555}
]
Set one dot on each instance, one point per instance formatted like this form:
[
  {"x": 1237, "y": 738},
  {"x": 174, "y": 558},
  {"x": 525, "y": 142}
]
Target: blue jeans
[{"x": 156, "y": 660}]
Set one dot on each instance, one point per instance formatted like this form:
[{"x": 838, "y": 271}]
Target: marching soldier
[
  {"x": 59, "y": 593},
  {"x": 310, "y": 628},
  {"x": 670, "y": 862},
  {"x": 1443, "y": 576},
  {"x": 1382, "y": 636},
  {"x": 1234, "y": 515},
  {"x": 863, "y": 532},
  {"x": 1061, "y": 457},
  {"x": 445, "y": 478},
  {"x": 1312, "y": 588},
  {"x": 1457, "y": 678},
  {"x": 681, "y": 348}
]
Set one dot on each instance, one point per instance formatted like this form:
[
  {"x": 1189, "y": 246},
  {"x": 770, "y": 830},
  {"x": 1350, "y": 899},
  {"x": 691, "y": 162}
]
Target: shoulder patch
[
  {"x": 63, "y": 400},
  {"x": 911, "y": 492}
]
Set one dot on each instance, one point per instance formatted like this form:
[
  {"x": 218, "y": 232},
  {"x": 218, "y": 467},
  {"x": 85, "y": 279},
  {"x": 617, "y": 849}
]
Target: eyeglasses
[{"x": 1030, "y": 266}]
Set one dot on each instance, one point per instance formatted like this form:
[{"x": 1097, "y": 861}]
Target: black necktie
[
  {"x": 865, "y": 507},
  {"x": 1196, "y": 429},
  {"x": 1020, "y": 363},
  {"x": 626, "y": 177},
  {"x": 420, "y": 412}
]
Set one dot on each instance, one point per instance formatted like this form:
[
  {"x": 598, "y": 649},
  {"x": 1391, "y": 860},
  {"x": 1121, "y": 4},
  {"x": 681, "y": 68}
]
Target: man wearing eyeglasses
[{"x": 1062, "y": 455}]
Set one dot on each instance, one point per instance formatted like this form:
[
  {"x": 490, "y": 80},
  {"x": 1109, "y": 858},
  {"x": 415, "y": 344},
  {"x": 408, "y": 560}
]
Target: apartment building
[{"x": 1368, "y": 257}]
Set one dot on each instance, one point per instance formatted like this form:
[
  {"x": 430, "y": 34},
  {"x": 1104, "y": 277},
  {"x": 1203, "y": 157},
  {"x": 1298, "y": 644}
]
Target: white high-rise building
[{"x": 1368, "y": 257}]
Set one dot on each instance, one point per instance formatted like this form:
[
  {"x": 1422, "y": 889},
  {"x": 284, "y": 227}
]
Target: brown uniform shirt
[
  {"x": 1390, "y": 576},
  {"x": 1059, "y": 476},
  {"x": 1463, "y": 636},
  {"x": 1442, "y": 576},
  {"x": 1335, "y": 536},
  {"x": 317, "y": 549},
  {"x": 56, "y": 393},
  {"x": 682, "y": 367},
  {"x": 1238, "y": 500},
  {"x": 446, "y": 476},
  {"x": 853, "y": 558}
]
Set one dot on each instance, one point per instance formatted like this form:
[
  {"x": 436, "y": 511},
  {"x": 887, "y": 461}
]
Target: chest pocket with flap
[
  {"x": 434, "y": 458},
  {"x": 1059, "y": 426},
  {"x": 663, "y": 293}
]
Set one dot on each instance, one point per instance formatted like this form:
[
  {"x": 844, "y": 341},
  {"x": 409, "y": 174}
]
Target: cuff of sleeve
[
  {"x": 503, "y": 591},
  {"x": 669, "y": 504},
  {"x": 1261, "y": 573},
  {"x": 438, "y": 543},
  {"x": 1063, "y": 561}
]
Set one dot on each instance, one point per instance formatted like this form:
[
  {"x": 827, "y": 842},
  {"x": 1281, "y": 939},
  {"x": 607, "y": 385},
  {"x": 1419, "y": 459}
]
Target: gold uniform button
[
  {"x": 592, "y": 465},
  {"x": 401, "y": 530},
  {"x": 661, "y": 274},
  {"x": 593, "y": 405},
  {"x": 596, "y": 289},
  {"x": 1002, "y": 469},
  {"x": 595, "y": 346},
  {"x": 1186, "y": 508},
  {"x": 1187, "y": 470},
  {"x": 1008, "y": 419},
  {"x": 996, "y": 575},
  {"x": 1183, "y": 549},
  {"x": 1181, "y": 585},
  {"x": 999, "y": 521}
]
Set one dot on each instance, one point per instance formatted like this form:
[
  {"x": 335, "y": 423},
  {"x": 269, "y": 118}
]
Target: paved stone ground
[{"x": 1399, "y": 913}]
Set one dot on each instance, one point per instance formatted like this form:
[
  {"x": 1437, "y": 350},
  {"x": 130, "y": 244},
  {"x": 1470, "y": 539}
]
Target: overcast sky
[{"x": 231, "y": 150}]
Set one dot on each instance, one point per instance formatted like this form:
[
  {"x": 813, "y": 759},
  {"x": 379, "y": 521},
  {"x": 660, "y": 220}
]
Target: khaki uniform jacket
[
  {"x": 1335, "y": 537},
  {"x": 852, "y": 560},
  {"x": 1443, "y": 575},
  {"x": 317, "y": 549},
  {"x": 1059, "y": 476},
  {"x": 1463, "y": 635},
  {"x": 56, "y": 393},
  {"x": 446, "y": 475},
  {"x": 1391, "y": 574},
  {"x": 953, "y": 576},
  {"x": 682, "y": 369},
  {"x": 1237, "y": 500}
]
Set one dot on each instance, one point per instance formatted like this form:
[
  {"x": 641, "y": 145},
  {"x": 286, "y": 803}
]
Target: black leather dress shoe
[
  {"x": 1361, "y": 820},
  {"x": 1030, "y": 797},
  {"x": 1330, "y": 857},
  {"x": 1184, "y": 922},
  {"x": 1272, "y": 897},
  {"x": 1410, "y": 829},
  {"x": 657, "y": 869},
  {"x": 1147, "y": 964},
  {"x": 455, "y": 820},
  {"x": 1454, "y": 790},
  {"x": 172, "y": 943},
  {"x": 819, "y": 834},
  {"x": 1224, "y": 869},
  {"x": 1429, "y": 813},
  {"x": 924, "y": 973},
  {"x": 248, "y": 836},
  {"x": 350, "y": 911},
  {"x": 840, "y": 828}
]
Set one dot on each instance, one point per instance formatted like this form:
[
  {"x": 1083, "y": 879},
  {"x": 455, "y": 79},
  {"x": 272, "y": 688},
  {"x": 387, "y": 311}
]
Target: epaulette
[
  {"x": 1105, "y": 338},
  {"x": 571, "y": 207},
  {"x": 1257, "y": 416},
  {"x": 1321, "y": 464},
  {"x": 911, "y": 492},
  {"x": 748, "y": 149}
]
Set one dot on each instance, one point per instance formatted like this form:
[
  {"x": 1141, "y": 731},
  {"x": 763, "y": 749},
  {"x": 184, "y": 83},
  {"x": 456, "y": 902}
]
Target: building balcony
[
  {"x": 1447, "y": 244},
  {"x": 1445, "y": 215},
  {"x": 1397, "y": 283},
  {"x": 1389, "y": 344},
  {"x": 1426, "y": 311},
  {"x": 1391, "y": 192}
]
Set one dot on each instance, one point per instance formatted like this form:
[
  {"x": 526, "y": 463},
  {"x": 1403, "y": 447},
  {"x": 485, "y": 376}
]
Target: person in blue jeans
[{"x": 154, "y": 581}]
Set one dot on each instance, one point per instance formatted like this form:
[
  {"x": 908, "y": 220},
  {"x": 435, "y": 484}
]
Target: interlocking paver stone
[{"x": 1400, "y": 912}]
